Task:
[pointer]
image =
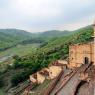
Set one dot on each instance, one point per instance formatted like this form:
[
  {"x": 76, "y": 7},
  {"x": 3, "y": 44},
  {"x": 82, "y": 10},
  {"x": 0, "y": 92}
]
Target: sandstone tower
[{"x": 82, "y": 53}]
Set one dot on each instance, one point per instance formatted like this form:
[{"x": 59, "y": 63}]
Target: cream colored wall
[
  {"x": 54, "y": 71},
  {"x": 72, "y": 57},
  {"x": 77, "y": 53},
  {"x": 40, "y": 78},
  {"x": 32, "y": 79}
]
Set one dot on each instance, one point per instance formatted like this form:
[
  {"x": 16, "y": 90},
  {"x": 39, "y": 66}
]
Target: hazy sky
[{"x": 42, "y": 15}]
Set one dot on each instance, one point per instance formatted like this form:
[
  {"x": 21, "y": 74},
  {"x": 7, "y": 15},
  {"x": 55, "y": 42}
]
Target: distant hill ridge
[
  {"x": 12, "y": 37},
  {"x": 54, "y": 49},
  {"x": 55, "y": 33}
]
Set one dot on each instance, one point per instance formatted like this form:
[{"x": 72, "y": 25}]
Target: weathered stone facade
[{"x": 81, "y": 54}]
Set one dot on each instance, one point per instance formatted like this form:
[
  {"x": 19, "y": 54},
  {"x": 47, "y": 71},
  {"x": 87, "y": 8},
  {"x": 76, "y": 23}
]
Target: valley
[
  {"x": 20, "y": 50},
  {"x": 25, "y": 57},
  {"x": 47, "y": 47}
]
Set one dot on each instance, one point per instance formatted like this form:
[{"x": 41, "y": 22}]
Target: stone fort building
[{"x": 82, "y": 53}]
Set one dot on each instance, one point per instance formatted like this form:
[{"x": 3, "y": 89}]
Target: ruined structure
[
  {"x": 77, "y": 81},
  {"x": 82, "y": 53},
  {"x": 46, "y": 73},
  {"x": 37, "y": 78}
]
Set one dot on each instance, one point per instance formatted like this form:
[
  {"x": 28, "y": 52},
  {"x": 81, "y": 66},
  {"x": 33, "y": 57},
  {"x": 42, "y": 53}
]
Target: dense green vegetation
[
  {"x": 17, "y": 78},
  {"x": 53, "y": 34},
  {"x": 20, "y": 50},
  {"x": 1, "y": 82},
  {"x": 55, "y": 48},
  {"x": 11, "y": 37}
]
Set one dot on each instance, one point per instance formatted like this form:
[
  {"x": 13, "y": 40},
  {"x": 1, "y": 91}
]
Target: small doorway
[{"x": 86, "y": 60}]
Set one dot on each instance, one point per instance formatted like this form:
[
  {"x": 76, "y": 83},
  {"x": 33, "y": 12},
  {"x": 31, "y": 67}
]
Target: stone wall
[{"x": 81, "y": 53}]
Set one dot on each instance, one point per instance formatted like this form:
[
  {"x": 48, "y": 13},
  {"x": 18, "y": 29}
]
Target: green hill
[
  {"x": 11, "y": 37},
  {"x": 54, "y": 33},
  {"x": 57, "y": 48},
  {"x": 82, "y": 35}
]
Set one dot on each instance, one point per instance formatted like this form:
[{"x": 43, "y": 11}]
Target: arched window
[{"x": 86, "y": 60}]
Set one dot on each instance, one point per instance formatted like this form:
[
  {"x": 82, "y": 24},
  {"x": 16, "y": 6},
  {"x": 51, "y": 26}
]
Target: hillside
[
  {"x": 53, "y": 50},
  {"x": 54, "y": 33},
  {"x": 11, "y": 37},
  {"x": 82, "y": 35}
]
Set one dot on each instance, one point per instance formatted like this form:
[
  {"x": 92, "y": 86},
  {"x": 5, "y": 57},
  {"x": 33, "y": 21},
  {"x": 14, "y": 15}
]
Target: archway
[
  {"x": 79, "y": 87},
  {"x": 86, "y": 60}
]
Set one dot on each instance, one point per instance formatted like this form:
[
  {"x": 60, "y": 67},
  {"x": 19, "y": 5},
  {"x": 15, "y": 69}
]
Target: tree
[{"x": 1, "y": 82}]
